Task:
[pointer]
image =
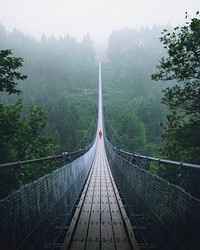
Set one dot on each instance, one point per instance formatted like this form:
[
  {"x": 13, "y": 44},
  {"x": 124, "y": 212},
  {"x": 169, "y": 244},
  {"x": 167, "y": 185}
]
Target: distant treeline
[
  {"x": 62, "y": 78},
  {"x": 132, "y": 100}
]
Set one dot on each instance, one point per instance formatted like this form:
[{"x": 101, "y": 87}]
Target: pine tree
[{"x": 182, "y": 126}]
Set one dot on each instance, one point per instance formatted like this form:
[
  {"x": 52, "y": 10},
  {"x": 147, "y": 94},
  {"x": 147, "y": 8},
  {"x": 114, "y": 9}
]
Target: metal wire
[
  {"x": 27, "y": 213},
  {"x": 170, "y": 216},
  {"x": 86, "y": 134},
  {"x": 117, "y": 136}
]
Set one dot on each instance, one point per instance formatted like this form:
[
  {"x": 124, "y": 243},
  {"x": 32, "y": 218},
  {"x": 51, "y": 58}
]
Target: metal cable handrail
[
  {"x": 137, "y": 155},
  {"x": 63, "y": 155}
]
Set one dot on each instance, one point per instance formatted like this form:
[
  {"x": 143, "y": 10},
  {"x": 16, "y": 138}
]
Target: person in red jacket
[{"x": 100, "y": 133}]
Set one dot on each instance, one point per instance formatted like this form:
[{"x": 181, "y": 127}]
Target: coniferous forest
[
  {"x": 62, "y": 85},
  {"x": 62, "y": 80}
]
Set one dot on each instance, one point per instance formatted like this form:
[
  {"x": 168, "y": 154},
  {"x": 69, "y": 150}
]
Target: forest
[
  {"x": 133, "y": 108},
  {"x": 61, "y": 89}
]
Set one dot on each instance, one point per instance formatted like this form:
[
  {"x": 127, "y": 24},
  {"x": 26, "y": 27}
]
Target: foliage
[
  {"x": 62, "y": 81},
  {"x": 62, "y": 73},
  {"x": 130, "y": 130},
  {"x": 21, "y": 139},
  {"x": 132, "y": 99},
  {"x": 181, "y": 129},
  {"x": 8, "y": 74},
  {"x": 62, "y": 78}
]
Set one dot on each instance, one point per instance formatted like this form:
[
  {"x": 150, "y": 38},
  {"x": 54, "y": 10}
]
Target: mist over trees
[
  {"x": 20, "y": 138},
  {"x": 182, "y": 63},
  {"x": 63, "y": 80},
  {"x": 132, "y": 100}
]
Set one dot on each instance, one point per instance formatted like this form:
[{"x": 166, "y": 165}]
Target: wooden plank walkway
[{"x": 100, "y": 221}]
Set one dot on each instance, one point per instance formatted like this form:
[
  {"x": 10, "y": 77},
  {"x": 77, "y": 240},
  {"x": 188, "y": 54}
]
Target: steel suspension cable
[
  {"x": 87, "y": 132},
  {"x": 116, "y": 134}
]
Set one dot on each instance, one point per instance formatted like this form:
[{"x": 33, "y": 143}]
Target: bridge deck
[{"x": 100, "y": 221}]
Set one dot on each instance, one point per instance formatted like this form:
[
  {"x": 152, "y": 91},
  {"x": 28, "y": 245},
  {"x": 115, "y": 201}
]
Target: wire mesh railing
[
  {"x": 163, "y": 213},
  {"x": 15, "y": 174},
  {"x": 28, "y": 215},
  {"x": 184, "y": 175}
]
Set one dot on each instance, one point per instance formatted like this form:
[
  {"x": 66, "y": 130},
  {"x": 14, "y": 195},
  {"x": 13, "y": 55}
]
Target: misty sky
[{"x": 98, "y": 17}]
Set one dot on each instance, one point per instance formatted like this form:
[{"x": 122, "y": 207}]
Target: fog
[{"x": 98, "y": 17}]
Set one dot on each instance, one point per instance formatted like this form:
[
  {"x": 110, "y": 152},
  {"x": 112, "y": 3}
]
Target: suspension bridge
[{"x": 100, "y": 198}]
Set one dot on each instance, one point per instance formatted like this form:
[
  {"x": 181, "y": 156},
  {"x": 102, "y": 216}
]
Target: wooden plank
[
  {"x": 107, "y": 236},
  {"x": 93, "y": 236},
  {"x": 81, "y": 215},
  {"x": 101, "y": 221},
  {"x": 124, "y": 218}
]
